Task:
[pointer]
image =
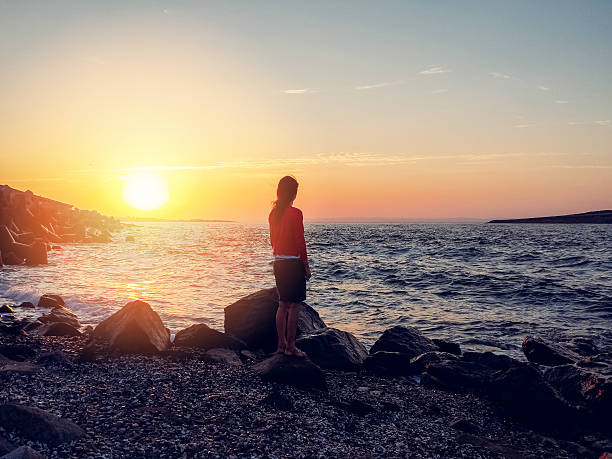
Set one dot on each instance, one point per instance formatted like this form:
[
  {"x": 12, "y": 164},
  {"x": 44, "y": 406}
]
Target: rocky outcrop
[
  {"x": 204, "y": 337},
  {"x": 38, "y": 425},
  {"x": 406, "y": 340},
  {"x": 447, "y": 346},
  {"x": 50, "y": 301},
  {"x": 252, "y": 319},
  {"x": 291, "y": 370},
  {"x": 135, "y": 328},
  {"x": 385, "y": 363},
  {"x": 60, "y": 314},
  {"x": 539, "y": 351},
  {"x": 333, "y": 348}
]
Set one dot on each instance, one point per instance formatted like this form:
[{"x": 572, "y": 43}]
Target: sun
[{"x": 145, "y": 191}]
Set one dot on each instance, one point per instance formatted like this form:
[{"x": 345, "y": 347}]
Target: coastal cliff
[{"x": 594, "y": 217}]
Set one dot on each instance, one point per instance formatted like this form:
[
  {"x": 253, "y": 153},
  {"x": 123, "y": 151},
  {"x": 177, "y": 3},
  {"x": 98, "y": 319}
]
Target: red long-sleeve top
[{"x": 287, "y": 235}]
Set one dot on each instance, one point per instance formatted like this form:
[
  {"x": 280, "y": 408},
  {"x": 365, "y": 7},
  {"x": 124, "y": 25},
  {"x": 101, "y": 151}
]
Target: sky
[{"x": 480, "y": 109}]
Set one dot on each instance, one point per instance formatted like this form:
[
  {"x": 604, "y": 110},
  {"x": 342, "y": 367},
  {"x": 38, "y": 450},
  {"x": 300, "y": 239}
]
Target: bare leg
[
  {"x": 281, "y": 325},
  {"x": 294, "y": 312}
]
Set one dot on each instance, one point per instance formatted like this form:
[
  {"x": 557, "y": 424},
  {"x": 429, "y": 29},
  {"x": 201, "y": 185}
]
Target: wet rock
[
  {"x": 57, "y": 329},
  {"x": 406, "y": 340},
  {"x": 50, "y": 301},
  {"x": 278, "y": 401},
  {"x": 6, "y": 309},
  {"x": 465, "y": 425},
  {"x": 447, "y": 346},
  {"x": 32, "y": 326},
  {"x": 253, "y": 319},
  {"x": 333, "y": 348},
  {"x": 385, "y": 363},
  {"x": 37, "y": 254},
  {"x": 38, "y": 425},
  {"x": 584, "y": 347},
  {"x": 221, "y": 355},
  {"x": 5, "y": 445},
  {"x": 204, "y": 337},
  {"x": 17, "y": 352},
  {"x": 23, "y": 452},
  {"x": 291, "y": 370},
  {"x": 61, "y": 314},
  {"x": 538, "y": 351},
  {"x": 27, "y": 305},
  {"x": 135, "y": 328}
]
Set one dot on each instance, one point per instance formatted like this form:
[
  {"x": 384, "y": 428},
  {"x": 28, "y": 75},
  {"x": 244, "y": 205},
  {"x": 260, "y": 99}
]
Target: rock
[
  {"x": 17, "y": 368},
  {"x": 584, "y": 347},
  {"x": 6, "y": 309},
  {"x": 253, "y": 319},
  {"x": 291, "y": 370},
  {"x": 204, "y": 337},
  {"x": 5, "y": 446},
  {"x": 385, "y": 363},
  {"x": 277, "y": 400},
  {"x": 50, "y": 301},
  {"x": 222, "y": 355},
  {"x": 406, "y": 340},
  {"x": 27, "y": 305},
  {"x": 57, "y": 329},
  {"x": 54, "y": 358},
  {"x": 61, "y": 314},
  {"x": 32, "y": 326},
  {"x": 447, "y": 346},
  {"x": 465, "y": 425},
  {"x": 333, "y": 348},
  {"x": 248, "y": 355},
  {"x": 23, "y": 452},
  {"x": 12, "y": 259},
  {"x": 135, "y": 328},
  {"x": 357, "y": 407},
  {"x": 89, "y": 353},
  {"x": 538, "y": 351},
  {"x": 37, "y": 254},
  {"x": 38, "y": 425},
  {"x": 17, "y": 352}
]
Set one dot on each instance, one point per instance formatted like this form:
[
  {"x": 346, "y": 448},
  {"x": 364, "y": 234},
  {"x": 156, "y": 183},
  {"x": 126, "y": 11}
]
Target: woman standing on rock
[{"x": 291, "y": 268}]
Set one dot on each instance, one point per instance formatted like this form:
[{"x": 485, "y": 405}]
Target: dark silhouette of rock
[
  {"x": 385, "y": 363},
  {"x": 17, "y": 352},
  {"x": 252, "y": 319},
  {"x": 37, "y": 254},
  {"x": 594, "y": 217},
  {"x": 23, "y": 452},
  {"x": 291, "y": 370},
  {"x": 5, "y": 446},
  {"x": 447, "y": 346},
  {"x": 50, "y": 301},
  {"x": 61, "y": 314},
  {"x": 135, "y": 328},
  {"x": 333, "y": 348},
  {"x": 406, "y": 340},
  {"x": 358, "y": 407},
  {"x": 204, "y": 337},
  {"x": 538, "y": 351},
  {"x": 6, "y": 309},
  {"x": 221, "y": 355},
  {"x": 32, "y": 326},
  {"x": 27, "y": 305},
  {"x": 38, "y": 425},
  {"x": 57, "y": 329},
  {"x": 465, "y": 425}
]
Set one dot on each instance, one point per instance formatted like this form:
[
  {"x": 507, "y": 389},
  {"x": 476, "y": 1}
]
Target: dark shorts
[{"x": 290, "y": 280}]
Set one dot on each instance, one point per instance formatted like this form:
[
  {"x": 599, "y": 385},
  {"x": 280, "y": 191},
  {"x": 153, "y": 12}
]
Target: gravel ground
[{"x": 181, "y": 405}]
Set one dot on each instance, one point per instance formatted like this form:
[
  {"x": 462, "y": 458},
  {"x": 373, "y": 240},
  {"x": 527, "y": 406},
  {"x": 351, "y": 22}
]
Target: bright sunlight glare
[{"x": 145, "y": 191}]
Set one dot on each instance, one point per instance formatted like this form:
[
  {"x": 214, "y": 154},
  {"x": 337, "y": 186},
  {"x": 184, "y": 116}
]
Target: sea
[{"x": 484, "y": 286}]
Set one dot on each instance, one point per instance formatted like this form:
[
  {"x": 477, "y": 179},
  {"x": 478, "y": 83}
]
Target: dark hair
[{"x": 285, "y": 194}]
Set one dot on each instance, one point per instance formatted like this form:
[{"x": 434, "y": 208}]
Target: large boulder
[
  {"x": 50, "y": 301},
  {"x": 6, "y": 309},
  {"x": 135, "y": 328},
  {"x": 291, "y": 370},
  {"x": 61, "y": 314},
  {"x": 204, "y": 337},
  {"x": 385, "y": 363},
  {"x": 38, "y": 425},
  {"x": 333, "y": 348},
  {"x": 253, "y": 319},
  {"x": 406, "y": 340},
  {"x": 539, "y": 351},
  {"x": 57, "y": 329}
]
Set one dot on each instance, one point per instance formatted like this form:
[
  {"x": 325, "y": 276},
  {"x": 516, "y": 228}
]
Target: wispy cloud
[
  {"x": 604, "y": 122},
  {"x": 503, "y": 76},
  {"x": 544, "y": 88},
  {"x": 301, "y": 91},
  {"x": 439, "y": 91},
  {"x": 582, "y": 123},
  {"x": 581, "y": 166},
  {"x": 378, "y": 85},
  {"x": 561, "y": 101},
  {"x": 525, "y": 125},
  {"x": 434, "y": 71}
]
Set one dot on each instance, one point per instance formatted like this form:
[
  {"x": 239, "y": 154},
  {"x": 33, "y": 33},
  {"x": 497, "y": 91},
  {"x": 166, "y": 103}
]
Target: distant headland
[{"x": 594, "y": 217}]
